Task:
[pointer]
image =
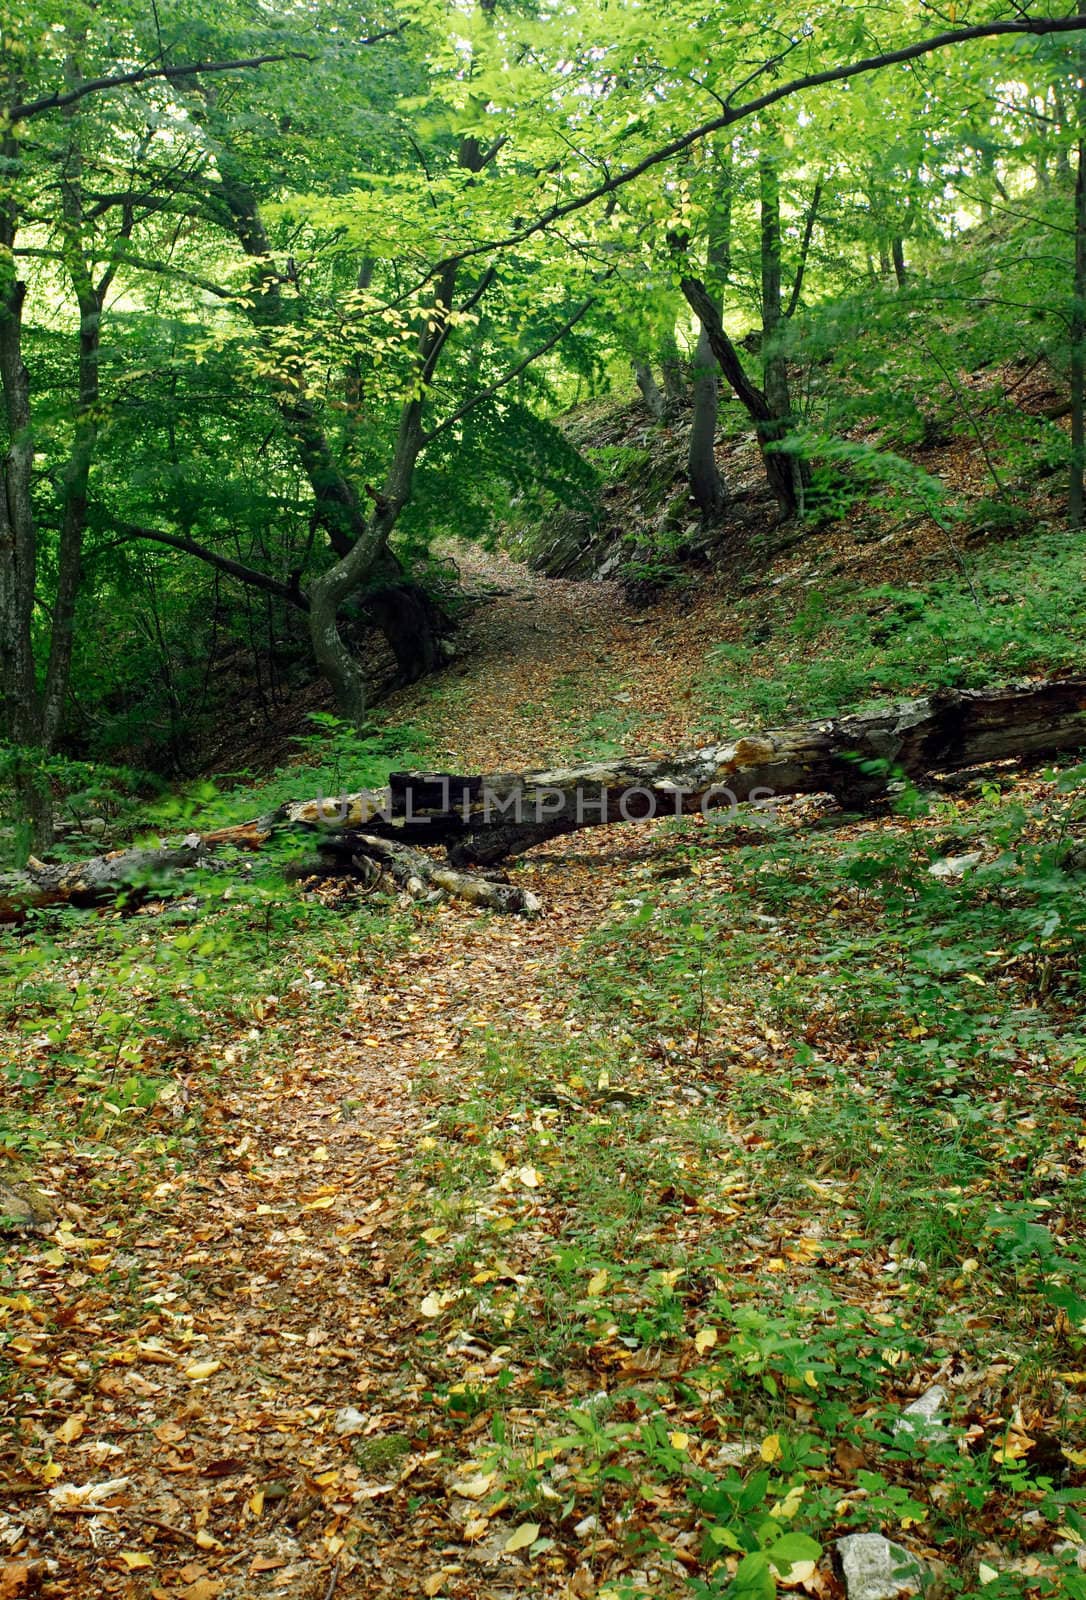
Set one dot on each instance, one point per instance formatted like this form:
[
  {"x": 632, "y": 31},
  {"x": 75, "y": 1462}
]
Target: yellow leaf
[
  {"x": 526, "y": 1534},
  {"x": 323, "y": 1202},
  {"x": 704, "y": 1339},
  {"x": 432, "y": 1235},
  {"x": 432, "y": 1306},
  {"x": 597, "y": 1283},
  {"x": 678, "y": 1441},
  {"x": 136, "y": 1558},
  {"x": 986, "y": 1574},
  {"x": 529, "y": 1177},
  {"x": 1077, "y": 1458},
  {"x": 50, "y": 1472},
  {"x": 434, "y": 1583},
  {"x": 202, "y": 1369},
  {"x": 474, "y": 1488},
  {"x": 798, "y": 1575},
  {"x": 810, "y": 1380},
  {"x": 207, "y": 1541},
  {"x": 771, "y": 1447},
  {"x": 785, "y": 1509},
  {"x": 99, "y": 1263},
  {"x": 1013, "y": 1448},
  {"x": 256, "y": 1503},
  {"x": 72, "y": 1429}
]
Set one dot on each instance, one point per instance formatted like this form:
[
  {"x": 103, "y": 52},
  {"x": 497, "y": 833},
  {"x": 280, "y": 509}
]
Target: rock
[
  {"x": 921, "y": 1418},
  {"x": 348, "y": 1422},
  {"x": 24, "y": 1209},
  {"x": 954, "y": 866},
  {"x": 875, "y": 1569},
  {"x": 95, "y": 826}
]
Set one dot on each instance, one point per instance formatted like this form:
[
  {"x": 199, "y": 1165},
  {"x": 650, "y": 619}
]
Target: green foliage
[{"x": 1018, "y": 611}]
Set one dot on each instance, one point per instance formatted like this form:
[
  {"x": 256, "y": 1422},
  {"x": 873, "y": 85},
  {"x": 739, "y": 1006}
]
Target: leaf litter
[{"x": 601, "y": 1254}]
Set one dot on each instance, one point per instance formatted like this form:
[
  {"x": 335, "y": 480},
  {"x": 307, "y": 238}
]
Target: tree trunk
[
  {"x": 671, "y": 367},
  {"x": 1076, "y": 510},
  {"x": 482, "y": 820},
  {"x": 651, "y": 393},
  {"x": 897, "y": 251},
  {"x": 774, "y": 364},
  {"x": 20, "y": 700},
  {"x": 706, "y": 484},
  {"x": 778, "y": 467}
]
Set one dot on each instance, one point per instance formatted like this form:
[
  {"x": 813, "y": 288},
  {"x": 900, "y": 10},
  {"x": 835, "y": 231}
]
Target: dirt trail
[{"x": 271, "y": 1289}]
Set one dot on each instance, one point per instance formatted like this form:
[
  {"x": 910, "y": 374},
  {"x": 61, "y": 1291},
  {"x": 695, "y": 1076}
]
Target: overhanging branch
[
  {"x": 58, "y": 100},
  {"x": 514, "y": 372},
  {"x": 1022, "y": 26}
]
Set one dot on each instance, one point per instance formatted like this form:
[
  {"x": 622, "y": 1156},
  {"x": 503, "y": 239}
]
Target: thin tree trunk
[
  {"x": 778, "y": 467},
  {"x": 20, "y": 701},
  {"x": 1076, "y": 509},
  {"x": 671, "y": 367},
  {"x": 897, "y": 251},
  {"x": 774, "y": 362},
  {"x": 651, "y": 392},
  {"x": 706, "y": 484}
]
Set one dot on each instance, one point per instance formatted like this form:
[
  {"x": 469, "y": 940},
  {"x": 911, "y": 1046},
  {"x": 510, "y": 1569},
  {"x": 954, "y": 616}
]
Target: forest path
[
  {"x": 551, "y": 668},
  {"x": 209, "y": 1326}
]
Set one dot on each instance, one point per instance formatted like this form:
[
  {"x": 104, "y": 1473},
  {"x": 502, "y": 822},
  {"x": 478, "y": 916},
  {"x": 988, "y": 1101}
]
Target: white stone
[
  {"x": 954, "y": 866},
  {"x": 875, "y": 1569},
  {"x": 922, "y": 1416}
]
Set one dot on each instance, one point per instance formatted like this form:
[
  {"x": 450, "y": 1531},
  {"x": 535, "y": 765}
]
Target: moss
[{"x": 382, "y": 1452}]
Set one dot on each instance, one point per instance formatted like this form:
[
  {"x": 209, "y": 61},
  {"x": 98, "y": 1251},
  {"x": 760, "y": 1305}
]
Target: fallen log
[
  {"x": 482, "y": 820},
  {"x": 87, "y": 883}
]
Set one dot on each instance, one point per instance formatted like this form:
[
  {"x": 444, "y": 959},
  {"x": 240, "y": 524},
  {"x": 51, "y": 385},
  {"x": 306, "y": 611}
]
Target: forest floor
[{"x": 406, "y": 1251}]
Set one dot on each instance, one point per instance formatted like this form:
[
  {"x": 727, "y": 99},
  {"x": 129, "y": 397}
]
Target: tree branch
[
  {"x": 252, "y": 576},
  {"x": 58, "y": 99},
  {"x": 1035, "y": 26},
  {"x": 500, "y": 383},
  {"x": 801, "y": 265}
]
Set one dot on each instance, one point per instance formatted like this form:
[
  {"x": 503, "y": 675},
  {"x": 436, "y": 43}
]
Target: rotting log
[
  {"x": 482, "y": 820},
  {"x": 87, "y": 883}
]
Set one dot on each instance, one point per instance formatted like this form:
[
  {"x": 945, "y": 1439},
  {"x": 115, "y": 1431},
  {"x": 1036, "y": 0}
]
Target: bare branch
[{"x": 252, "y": 576}]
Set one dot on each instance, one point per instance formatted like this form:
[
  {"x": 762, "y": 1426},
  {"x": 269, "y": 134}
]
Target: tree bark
[
  {"x": 482, "y": 820},
  {"x": 778, "y": 467},
  {"x": 651, "y": 392},
  {"x": 706, "y": 484},
  {"x": 774, "y": 365},
  {"x": 1076, "y": 499},
  {"x": 671, "y": 367}
]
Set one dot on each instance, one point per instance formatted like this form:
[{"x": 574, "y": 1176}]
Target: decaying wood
[
  {"x": 482, "y": 820},
  {"x": 86, "y": 883}
]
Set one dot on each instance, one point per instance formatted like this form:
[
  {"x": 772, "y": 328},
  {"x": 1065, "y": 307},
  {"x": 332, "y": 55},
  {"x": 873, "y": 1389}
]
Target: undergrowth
[{"x": 802, "y": 1138}]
